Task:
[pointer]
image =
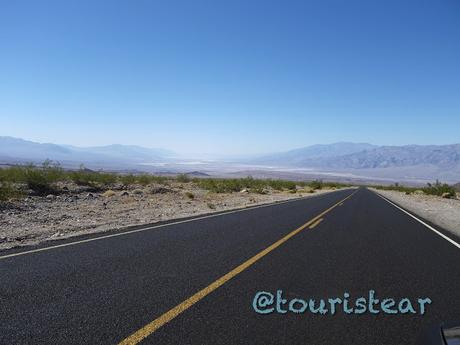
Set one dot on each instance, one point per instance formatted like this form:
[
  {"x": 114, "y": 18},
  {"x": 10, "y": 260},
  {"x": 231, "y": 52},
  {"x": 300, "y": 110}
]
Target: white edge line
[
  {"x": 421, "y": 221},
  {"x": 160, "y": 226}
]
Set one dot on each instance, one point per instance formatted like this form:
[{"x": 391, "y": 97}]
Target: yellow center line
[
  {"x": 151, "y": 327},
  {"x": 316, "y": 223}
]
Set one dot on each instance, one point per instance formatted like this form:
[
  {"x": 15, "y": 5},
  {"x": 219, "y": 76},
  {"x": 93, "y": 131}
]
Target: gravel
[{"x": 78, "y": 211}]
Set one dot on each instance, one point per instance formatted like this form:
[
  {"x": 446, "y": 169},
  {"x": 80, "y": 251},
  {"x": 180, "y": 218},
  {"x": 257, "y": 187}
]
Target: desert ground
[{"x": 79, "y": 210}]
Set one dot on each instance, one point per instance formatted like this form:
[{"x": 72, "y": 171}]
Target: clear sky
[{"x": 230, "y": 77}]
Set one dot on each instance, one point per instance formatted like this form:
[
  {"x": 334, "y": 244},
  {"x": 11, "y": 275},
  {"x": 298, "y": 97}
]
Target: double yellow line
[{"x": 151, "y": 327}]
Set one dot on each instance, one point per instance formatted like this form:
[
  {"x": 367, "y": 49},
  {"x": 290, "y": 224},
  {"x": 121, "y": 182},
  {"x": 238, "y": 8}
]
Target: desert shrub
[
  {"x": 281, "y": 184},
  {"x": 438, "y": 188},
  {"x": 251, "y": 184},
  {"x": 159, "y": 179},
  {"x": 37, "y": 181},
  {"x": 127, "y": 179},
  {"x": 316, "y": 184},
  {"x": 144, "y": 179},
  {"x": 8, "y": 191},
  {"x": 398, "y": 187},
  {"x": 92, "y": 178},
  {"x": 259, "y": 190},
  {"x": 221, "y": 185},
  {"x": 336, "y": 185},
  {"x": 276, "y": 184},
  {"x": 52, "y": 171},
  {"x": 190, "y": 195},
  {"x": 11, "y": 174},
  {"x": 81, "y": 178},
  {"x": 40, "y": 180},
  {"x": 183, "y": 178},
  {"x": 104, "y": 178}
]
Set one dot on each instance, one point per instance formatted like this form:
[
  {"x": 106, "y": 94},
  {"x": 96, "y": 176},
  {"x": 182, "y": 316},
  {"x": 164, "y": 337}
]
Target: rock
[
  {"x": 160, "y": 190},
  {"x": 244, "y": 191},
  {"x": 138, "y": 191},
  {"x": 51, "y": 197},
  {"x": 125, "y": 193},
  {"x": 419, "y": 192},
  {"x": 65, "y": 189},
  {"x": 447, "y": 195},
  {"x": 90, "y": 195}
]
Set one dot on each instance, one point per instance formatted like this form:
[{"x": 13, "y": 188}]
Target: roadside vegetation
[
  {"x": 436, "y": 188},
  {"x": 42, "y": 180},
  {"x": 261, "y": 186}
]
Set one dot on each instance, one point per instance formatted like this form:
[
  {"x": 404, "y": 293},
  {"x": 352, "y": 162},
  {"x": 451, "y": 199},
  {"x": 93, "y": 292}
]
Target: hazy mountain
[
  {"x": 419, "y": 163},
  {"x": 442, "y": 156},
  {"x": 117, "y": 151},
  {"x": 366, "y": 156},
  {"x": 298, "y": 157},
  {"x": 24, "y": 150},
  {"x": 407, "y": 163}
]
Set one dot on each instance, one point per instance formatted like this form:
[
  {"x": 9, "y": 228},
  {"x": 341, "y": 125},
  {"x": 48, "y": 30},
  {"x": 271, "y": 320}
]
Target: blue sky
[{"x": 230, "y": 77}]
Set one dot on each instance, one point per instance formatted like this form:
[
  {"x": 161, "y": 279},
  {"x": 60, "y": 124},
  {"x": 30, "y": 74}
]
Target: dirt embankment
[{"x": 78, "y": 210}]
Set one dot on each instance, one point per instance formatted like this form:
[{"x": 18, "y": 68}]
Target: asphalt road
[{"x": 103, "y": 291}]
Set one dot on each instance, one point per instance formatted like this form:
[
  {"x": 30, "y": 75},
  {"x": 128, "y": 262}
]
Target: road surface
[{"x": 194, "y": 282}]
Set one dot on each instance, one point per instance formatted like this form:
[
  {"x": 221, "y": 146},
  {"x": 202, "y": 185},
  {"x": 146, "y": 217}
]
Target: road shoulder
[{"x": 444, "y": 213}]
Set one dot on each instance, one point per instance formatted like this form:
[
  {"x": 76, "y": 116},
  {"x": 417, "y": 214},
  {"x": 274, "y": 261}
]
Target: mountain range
[
  {"x": 15, "y": 149},
  {"x": 366, "y": 156},
  {"x": 406, "y": 163}
]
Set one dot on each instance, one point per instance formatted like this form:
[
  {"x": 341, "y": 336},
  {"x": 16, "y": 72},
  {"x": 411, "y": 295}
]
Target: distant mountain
[
  {"x": 442, "y": 156},
  {"x": 24, "y": 150},
  {"x": 366, "y": 156},
  {"x": 302, "y": 156},
  {"x": 410, "y": 162},
  {"x": 117, "y": 151}
]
